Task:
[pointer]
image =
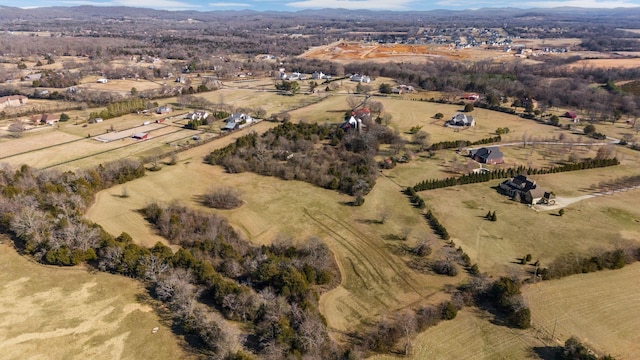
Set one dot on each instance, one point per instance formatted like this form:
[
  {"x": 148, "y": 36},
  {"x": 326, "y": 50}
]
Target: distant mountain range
[{"x": 85, "y": 12}]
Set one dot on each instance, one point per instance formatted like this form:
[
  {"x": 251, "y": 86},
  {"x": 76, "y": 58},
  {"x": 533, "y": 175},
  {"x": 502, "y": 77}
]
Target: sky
[{"x": 295, "y": 5}]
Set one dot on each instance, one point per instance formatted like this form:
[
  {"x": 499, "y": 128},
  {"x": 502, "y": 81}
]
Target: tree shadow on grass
[
  {"x": 370, "y": 221},
  {"x": 547, "y": 352}
]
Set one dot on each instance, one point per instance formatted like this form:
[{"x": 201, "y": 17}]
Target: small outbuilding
[{"x": 141, "y": 136}]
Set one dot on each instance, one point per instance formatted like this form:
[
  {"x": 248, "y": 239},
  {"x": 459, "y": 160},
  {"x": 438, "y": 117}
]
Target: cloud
[
  {"x": 353, "y": 4},
  {"x": 230, "y": 4}
]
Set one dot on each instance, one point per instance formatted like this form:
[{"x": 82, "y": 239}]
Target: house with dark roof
[
  {"x": 524, "y": 190},
  {"x": 487, "y": 155}
]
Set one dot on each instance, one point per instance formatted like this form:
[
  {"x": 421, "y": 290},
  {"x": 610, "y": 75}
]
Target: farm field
[
  {"x": 68, "y": 313},
  {"x": 600, "y": 309},
  {"x": 95, "y": 150}
]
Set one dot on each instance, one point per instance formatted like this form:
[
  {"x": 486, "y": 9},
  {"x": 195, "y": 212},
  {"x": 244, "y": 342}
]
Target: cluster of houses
[
  {"x": 199, "y": 115},
  {"x": 460, "y": 120},
  {"x": 316, "y": 75},
  {"x": 12, "y": 101}
]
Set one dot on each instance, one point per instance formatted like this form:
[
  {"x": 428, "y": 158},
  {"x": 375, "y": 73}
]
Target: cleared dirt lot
[{"x": 64, "y": 313}]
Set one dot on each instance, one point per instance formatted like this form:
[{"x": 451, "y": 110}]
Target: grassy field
[
  {"x": 471, "y": 335},
  {"x": 600, "y": 309},
  {"x": 68, "y": 313},
  {"x": 375, "y": 279},
  {"x": 587, "y": 226}
]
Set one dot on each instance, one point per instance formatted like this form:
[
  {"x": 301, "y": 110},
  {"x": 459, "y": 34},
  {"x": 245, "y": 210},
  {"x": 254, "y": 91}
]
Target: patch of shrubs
[
  {"x": 504, "y": 294},
  {"x": 222, "y": 198},
  {"x": 386, "y": 335},
  {"x": 575, "y": 350},
  {"x": 445, "y": 267},
  {"x": 571, "y": 264}
]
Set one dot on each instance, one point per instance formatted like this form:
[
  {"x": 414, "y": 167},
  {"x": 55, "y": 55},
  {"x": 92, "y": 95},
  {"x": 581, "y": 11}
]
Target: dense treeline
[
  {"x": 121, "y": 108},
  {"x": 437, "y": 227},
  {"x": 343, "y": 160},
  {"x": 44, "y": 209},
  {"x": 453, "y": 144},
  {"x": 273, "y": 288},
  {"x": 571, "y": 264},
  {"x": 473, "y": 178}
]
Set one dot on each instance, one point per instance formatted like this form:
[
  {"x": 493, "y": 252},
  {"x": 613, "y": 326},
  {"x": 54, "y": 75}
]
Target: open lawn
[
  {"x": 601, "y": 309},
  {"x": 69, "y": 313},
  {"x": 587, "y": 226}
]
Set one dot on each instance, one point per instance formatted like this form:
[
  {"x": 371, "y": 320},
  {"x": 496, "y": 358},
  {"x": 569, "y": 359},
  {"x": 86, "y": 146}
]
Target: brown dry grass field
[
  {"x": 587, "y": 226},
  {"x": 69, "y": 313},
  {"x": 471, "y": 335},
  {"x": 121, "y": 86},
  {"x": 40, "y": 106},
  {"x": 33, "y": 140},
  {"x": 96, "y": 151},
  {"x": 600, "y": 309},
  {"x": 625, "y": 63},
  {"x": 375, "y": 280}
]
